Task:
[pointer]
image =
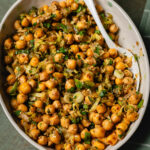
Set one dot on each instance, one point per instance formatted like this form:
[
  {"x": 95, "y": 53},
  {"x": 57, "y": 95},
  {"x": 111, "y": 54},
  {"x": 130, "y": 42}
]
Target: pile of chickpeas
[{"x": 67, "y": 88}]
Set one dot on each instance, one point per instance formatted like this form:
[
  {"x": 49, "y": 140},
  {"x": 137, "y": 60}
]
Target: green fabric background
[{"x": 139, "y": 11}]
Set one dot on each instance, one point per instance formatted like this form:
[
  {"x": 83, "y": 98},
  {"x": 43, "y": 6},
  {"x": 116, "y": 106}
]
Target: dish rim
[{"x": 128, "y": 136}]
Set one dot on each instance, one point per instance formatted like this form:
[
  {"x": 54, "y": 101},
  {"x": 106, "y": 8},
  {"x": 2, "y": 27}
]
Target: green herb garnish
[
  {"x": 47, "y": 25},
  {"x": 87, "y": 138},
  {"x": 80, "y": 8},
  {"x": 97, "y": 32},
  {"x": 32, "y": 43},
  {"x": 53, "y": 15},
  {"x": 97, "y": 50},
  {"x": 82, "y": 33},
  {"x": 85, "y": 106},
  {"x": 26, "y": 51},
  {"x": 78, "y": 84},
  {"x": 103, "y": 93},
  {"x": 140, "y": 105},
  {"x": 17, "y": 113}
]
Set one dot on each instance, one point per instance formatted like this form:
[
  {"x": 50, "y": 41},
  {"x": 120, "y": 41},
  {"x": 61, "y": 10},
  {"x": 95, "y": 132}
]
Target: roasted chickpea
[
  {"x": 71, "y": 64},
  {"x": 81, "y": 25},
  {"x": 38, "y": 104},
  {"x": 21, "y": 44},
  {"x": 54, "y": 120},
  {"x": 80, "y": 147},
  {"x": 77, "y": 138},
  {"x": 113, "y": 53},
  {"x": 69, "y": 2},
  {"x": 57, "y": 104},
  {"x": 90, "y": 61},
  {"x": 34, "y": 133},
  {"x": 68, "y": 147},
  {"x": 74, "y": 48},
  {"x": 22, "y": 108},
  {"x": 118, "y": 59},
  {"x": 39, "y": 33},
  {"x": 89, "y": 52},
  {"x": 80, "y": 55},
  {"x": 120, "y": 66},
  {"x": 69, "y": 38},
  {"x": 84, "y": 47},
  {"x": 42, "y": 126},
  {"x": 51, "y": 83},
  {"x": 106, "y": 55},
  {"x": 96, "y": 118},
  {"x": 8, "y": 59},
  {"x": 88, "y": 100},
  {"x": 133, "y": 99},
  {"x": 54, "y": 94},
  {"x": 43, "y": 48},
  {"x": 122, "y": 126},
  {"x": 132, "y": 116},
  {"x": 98, "y": 145},
  {"x": 23, "y": 79},
  {"x": 44, "y": 76},
  {"x": 107, "y": 125},
  {"x": 58, "y": 15},
  {"x": 87, "y": 76},
  {"x": 118, "y": 81},
  {"x": 109, "y": 69},
  {"x": 62, "y": 4},
  {"x": 65, "y": 122},
  {"x": 128, "y": 73},
  {"x": 128, "y": 80},
  {"x": 86, "y": 123},
  {"x": 32, "y": 83},
  {"x": 21, "y": 98},
  {"x": 8, "y": 43},
  {"x": 14, "y": 103},
  {"x": 50, "y": 68},
  {"x": 17, "y": 25},
  {"x": 66, "y": 108},
  {"x": 113, "y": 28},
  {"x": 83, "y": 132},
  {"x": 112, "y": 139},
  {"x": 78, "y": 38},
  {"x": 73, "y": 128},
  {"x": 24, "y": 88},
  {"x": 97, "y": 132},
  {"x": 45, "y": 8},
  {"x": 46, "y": 118},
  {"x": 59, "y": 147},
  {"x": 49, "y": 109},
  {"x": 101, "y": 108},
  {"x": 41, "y": 86},
  {"x": 69, "y": 84},
  {"x": 74, "y": 6},
  {"x": 25, "y": 22},
  {"x": 16, "y": 37},
  {"x": 29, "y": 37},
  {"x": 11, "y": 79},
  {"x": 59, "y": 58},
  {"x": 42, "y": 140},
  {"x": 115, "y": 118},
  {"x": 34, "y": 62},
  {"x": 23, "y": 58},
  {"x": 34, "y": 21}
]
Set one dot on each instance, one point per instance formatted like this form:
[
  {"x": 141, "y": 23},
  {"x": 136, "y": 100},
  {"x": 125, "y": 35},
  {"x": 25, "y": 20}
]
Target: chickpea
[
  {"x": 17, "y": 25},
  {"x": 42, "y": 126},
  {"x": 115, "y": 118},
  {"x": 87, "y": 100},
  {"x": 112, "y": 139},
  {"x": 54, "y": 94},
  {"x": 73, "y": 128},
  {"x": 9, "y": 89},
  {"x": 39, "y": 33},
  {"x": 99, "y": 8},
  {"x": 69, "y": 84},
  {"x": 38, "y": 104},
  {"x": 29, "y": 37},
  {"x": 57, "y": 104},
  {"x": 101, "y": 108},
  {"x": 68, "y": 147},
  {"x": 74, "y": 48},
  {"x": 118, "y": 59},
  {"x": 109, "y": 69},
  {"x": 49, "y": 109},
  {"x": 46, "y": 118},
  {"x": 98, "y": 145},
  {"x": 62, "y": 4},
  {"x": 50, "y": 68},
  {"x": 58, "y": 15},
  {"x": 58, "y": 75},
  {"x": 85, "y": 130},
  {"x": 65, "y": 122},
  {"x": 34, "y": 133},
  {"x": 43, "y": 48},
  {"x": 8, "y": 59},
  {"x": 96, "y": 118},
  {"x": 16, "y": 37},
  {"x": 91, "y": 31},
  {"x": 113, "y": 28},
  {"x": 21, "y": 98},
  {"x": 98, "y": 132},
  {"x": 86, "y": 123},
  {"x": 23, "y": 79},
  {"x": 54, "y": 120},
  {"x": 22, "y": 108},
  {"x": 44, "y": 76},
  {"x": 23, "y": 58},
  {"x": 122, "y": 126},
  {"x": 84, "y": 47},
  {"x": 81, "y": 25},
  {"x": 69, "y": 38},
  {"x": 45, "y": 8},
  {"x": 87, "y": 76},
  {"x": 25, "y": 22},
  {"x": 80, "y": 147},
  {"x": 42, "y": 86},
  {"x": 116, "y": 108},
  {"x": 69, "y": 2},
  {"x": 106, "y": 55},
  {"x": 80, "y": 55},
  {"x": 51, "y": 83},
  {"x": 78, "y": 37},
  {"x": 128, "y": 80},
  {"x": 77, "y": 138},
  {"x": 24, "y": 88},
  {"x": 42, "y": 140},
  {"x": 74, "y": 6},
  {"x": 34, "y": 21},
  {"x": 90, "y": 61},
  {"x": 59, "y": 58},
  {"x": 71, "y": 64},
  {"x": 118, "y": 81},
  {"x": 59, "y": 147},
  {"x": 126, "y": 121},
  {"x": 107, "y": 125},
  {"x": 120, "y": 66},
  {"x": 32, "y": 83},
  {"x": 14, "y": 103},
  {"x": 29, "y": 18},
  {"x": 113, "y": 53},
  {"x": 66, "y": 108},
  {"x": 21, "y": 44},
  {"x": 128, "y": 73},
  {"x": 89, "y": 52},
  {"x": 132, "y": 116},
  {"x": 34, "y": 62},
  {"x": 8, "y": 43},
  {"x": 11, "y": 79},
  {"x": 133, "y": 99}
]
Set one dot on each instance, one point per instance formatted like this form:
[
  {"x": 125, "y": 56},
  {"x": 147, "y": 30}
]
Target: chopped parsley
[
  {"x": 72, "y": 89},
  {"x": 32, "y": 43},
  {"x": 85, "y": 106},
  {"x": 97, "y": 32},
  {"x": 34, "y": 24},
  {"x": 82, "y": 33},
  {"x": 140, "y": 105},
  {"x": 17, "y": 113},
  {"x": 78, "y": 84},
  {"x": 62, "y": 50},
  {"x": 110, "y": 62},
  {"x": 63, "y": 27},
  {"x": 97, "y": 50},
  {"x": 103, "y": 93},
  {"x": 47, "y": 25},
  {"x": 26, "y": 51},
  {"x": 53, "y": 15},
  {"x": 87, "y": 138},
  {"x": 80, "y": 8}
]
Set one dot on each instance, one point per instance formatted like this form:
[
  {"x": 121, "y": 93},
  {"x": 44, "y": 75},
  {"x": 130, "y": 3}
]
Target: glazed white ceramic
[{"x": 128, "y": 38}]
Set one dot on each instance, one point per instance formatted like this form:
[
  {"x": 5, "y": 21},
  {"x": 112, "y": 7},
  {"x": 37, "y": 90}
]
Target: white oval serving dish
[{"x": 129, "y": 38}]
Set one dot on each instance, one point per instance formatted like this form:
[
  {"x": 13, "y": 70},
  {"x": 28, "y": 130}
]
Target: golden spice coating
[{"x": 67, "y": 88}]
